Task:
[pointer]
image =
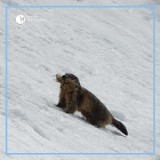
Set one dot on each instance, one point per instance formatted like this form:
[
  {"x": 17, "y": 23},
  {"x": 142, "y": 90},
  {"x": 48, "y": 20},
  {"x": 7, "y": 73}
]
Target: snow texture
[{"x": 110, "y": 50}]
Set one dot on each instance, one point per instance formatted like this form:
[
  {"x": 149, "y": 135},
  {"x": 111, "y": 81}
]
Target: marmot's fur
[{"x": 73, "y": 98}]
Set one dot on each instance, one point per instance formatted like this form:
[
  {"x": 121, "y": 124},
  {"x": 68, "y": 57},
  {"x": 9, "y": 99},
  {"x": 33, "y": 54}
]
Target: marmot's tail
[{"x": 119, "y": 126}]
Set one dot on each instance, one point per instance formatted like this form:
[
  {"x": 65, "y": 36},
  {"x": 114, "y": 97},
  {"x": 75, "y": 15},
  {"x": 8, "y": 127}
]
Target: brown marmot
[{"x": 73, "y": 97}]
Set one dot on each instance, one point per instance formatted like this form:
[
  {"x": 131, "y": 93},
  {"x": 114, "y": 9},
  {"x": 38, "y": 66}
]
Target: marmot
[{"x": 73, "y": 97}]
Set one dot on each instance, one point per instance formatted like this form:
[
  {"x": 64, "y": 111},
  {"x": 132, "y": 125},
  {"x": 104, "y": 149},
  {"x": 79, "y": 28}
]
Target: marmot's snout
[{"x": 58, "y": 77}]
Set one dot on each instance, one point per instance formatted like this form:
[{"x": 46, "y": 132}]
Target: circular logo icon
[{"x": 20, "y": 19}]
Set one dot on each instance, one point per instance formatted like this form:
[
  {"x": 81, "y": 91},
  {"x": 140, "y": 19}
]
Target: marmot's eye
[{"x": 63, "y": 77}]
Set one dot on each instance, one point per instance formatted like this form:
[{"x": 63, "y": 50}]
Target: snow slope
[{"x": 110, "y": 50}]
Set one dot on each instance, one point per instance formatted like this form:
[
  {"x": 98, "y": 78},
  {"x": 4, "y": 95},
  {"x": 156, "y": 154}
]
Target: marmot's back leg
[
  {"x": 93, "y": 121},
  {"x": 99, "y": 123}
]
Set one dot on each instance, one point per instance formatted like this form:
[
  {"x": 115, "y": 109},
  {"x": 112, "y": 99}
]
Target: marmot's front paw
[
  {"x": 58, "y": 77},
  {"x": 66, "y": 110},
  {"x": 70, "y": 110}
]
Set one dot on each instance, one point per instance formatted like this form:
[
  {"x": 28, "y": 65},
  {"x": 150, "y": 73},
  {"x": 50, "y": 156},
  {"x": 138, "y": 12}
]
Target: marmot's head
[{"x": 68, "y": 79}]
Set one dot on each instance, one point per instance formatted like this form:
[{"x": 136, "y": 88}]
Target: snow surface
[{"x": 110, "y": 50}]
